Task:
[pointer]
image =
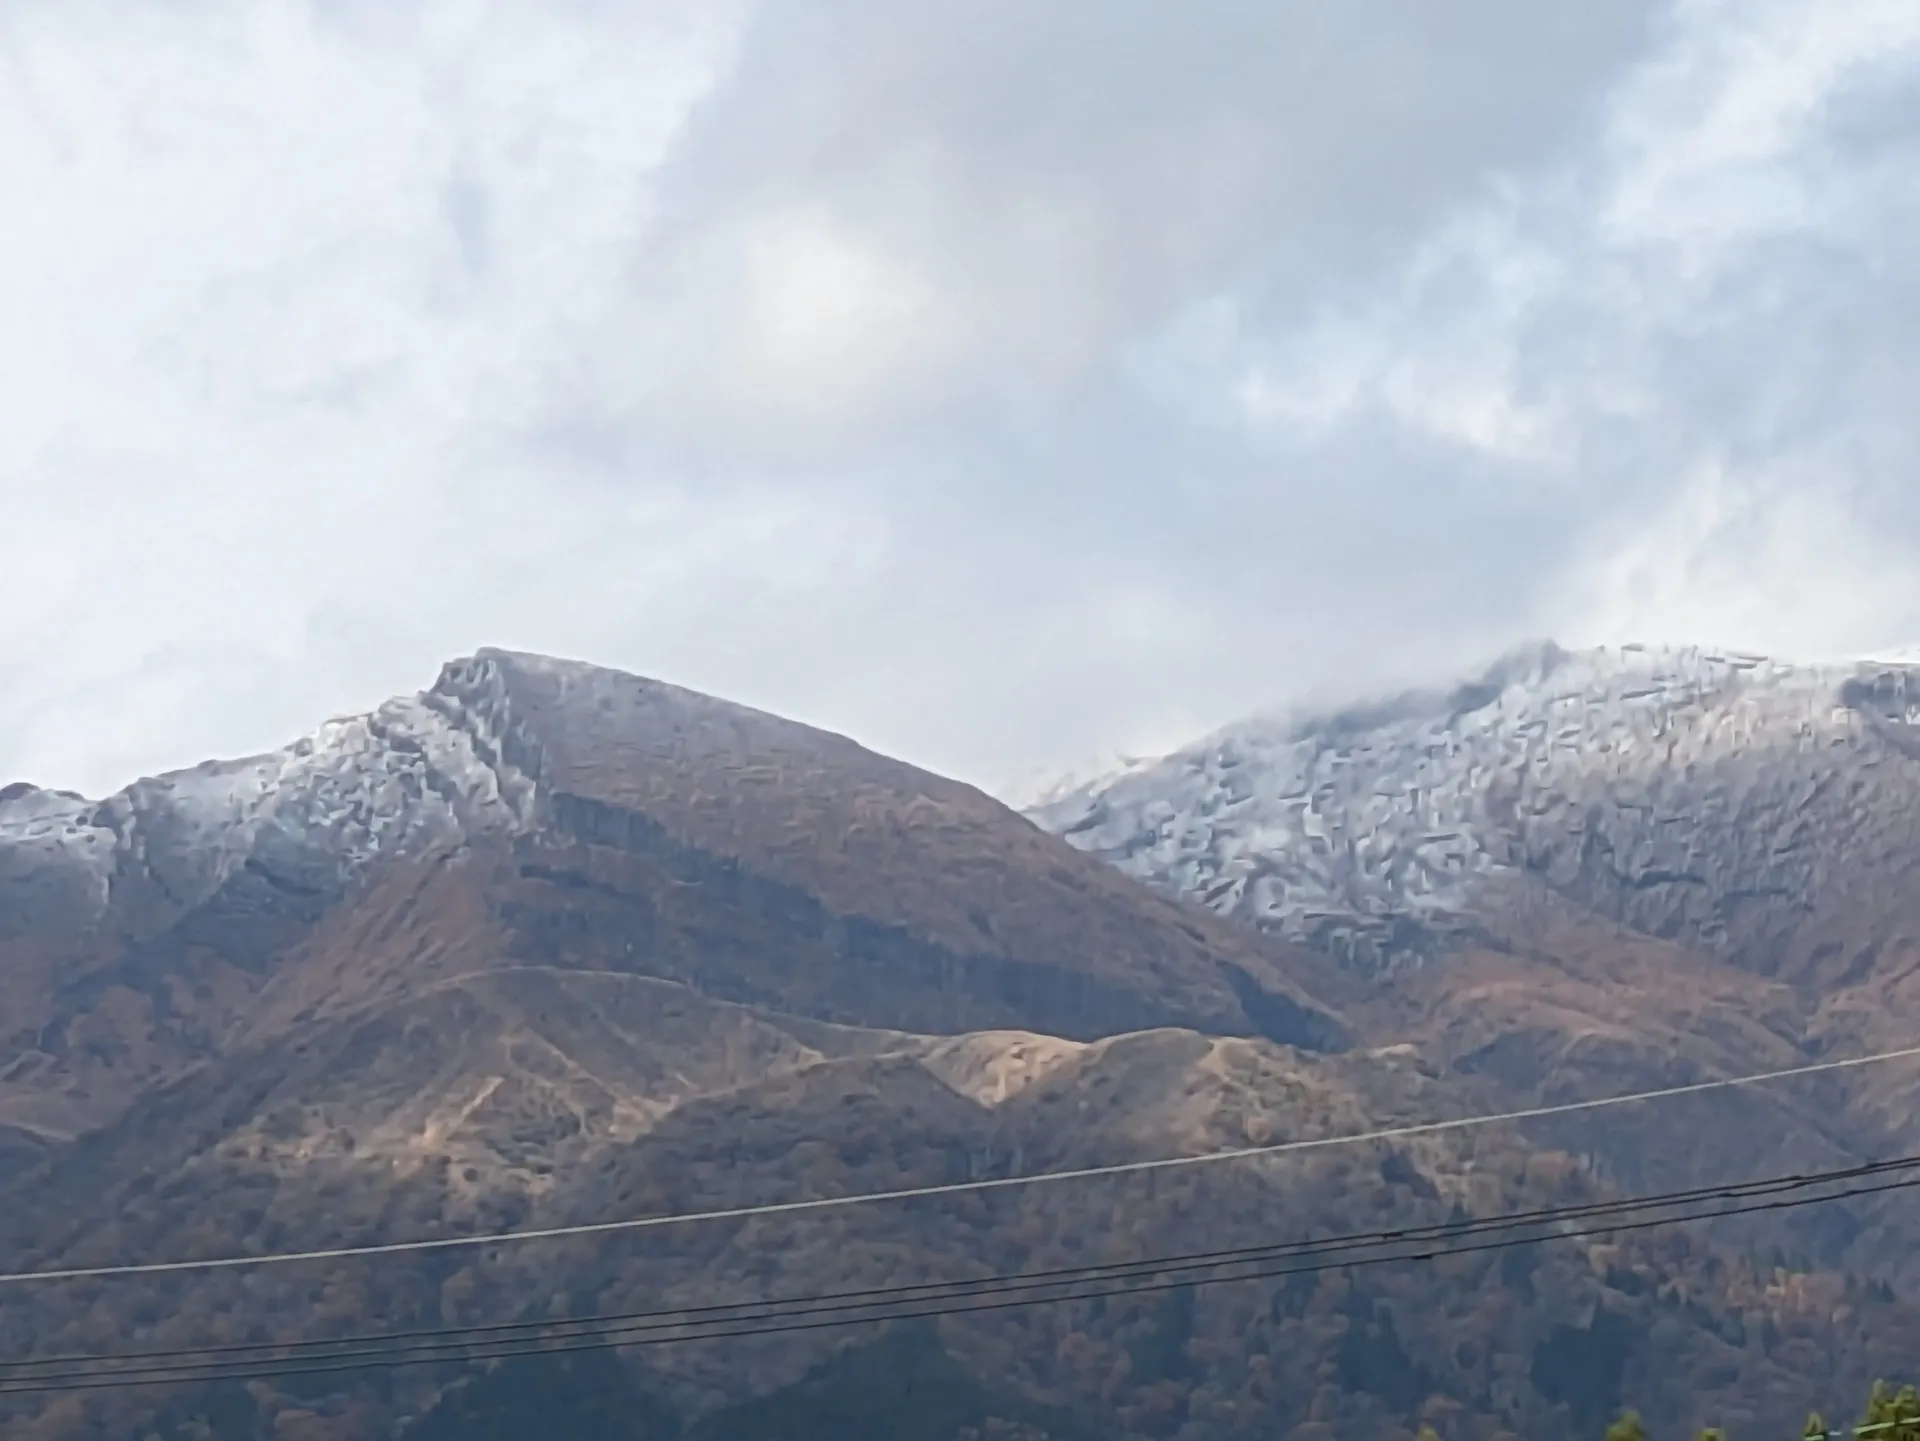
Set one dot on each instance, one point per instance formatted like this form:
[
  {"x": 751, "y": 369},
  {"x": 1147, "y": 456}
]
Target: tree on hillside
[{"x": 1891, "y": 1415}]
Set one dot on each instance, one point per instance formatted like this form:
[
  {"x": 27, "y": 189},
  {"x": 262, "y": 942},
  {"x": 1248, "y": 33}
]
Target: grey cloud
[
  {"x": 999, "y": 382},
  {"x": 1076, "y": 183},
  {"x": 1069, "y": 178}
]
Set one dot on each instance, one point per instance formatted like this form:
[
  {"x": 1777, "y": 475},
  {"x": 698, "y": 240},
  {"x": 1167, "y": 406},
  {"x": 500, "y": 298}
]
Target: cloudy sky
[{"x": 1003, "y": 382}]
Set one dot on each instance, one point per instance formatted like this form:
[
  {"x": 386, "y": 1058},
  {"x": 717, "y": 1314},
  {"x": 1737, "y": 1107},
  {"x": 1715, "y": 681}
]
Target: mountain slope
[
  {"x": 548, "y": 944},
  {"x": 540, "y": 1097},
  {"x": 1758, "y": 810},
  {"x": 1581, "y": 873},
  {"x": 524, "y": 810}
]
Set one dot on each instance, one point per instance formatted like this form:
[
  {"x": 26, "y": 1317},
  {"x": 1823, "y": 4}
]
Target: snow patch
[
  {"x": 403, "y": 777},
  {"x": 1369, "y": 830}
]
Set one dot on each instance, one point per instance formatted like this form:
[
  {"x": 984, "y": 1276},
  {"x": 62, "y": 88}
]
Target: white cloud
[
  {"x": 993, "y": 384},
  {"x": 282, "y": 280},
  {"x": 1694, "y": 336},
  {"x": 1767, "y": 562}
]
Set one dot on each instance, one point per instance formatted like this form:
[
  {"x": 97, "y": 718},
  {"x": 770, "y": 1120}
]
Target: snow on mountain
[
  {"x": 1042, "y": 788},
  {"x": 1660, "y": 784},
  {"x": 1681, "y": 791},
  {"x": 310, "y": 816}
]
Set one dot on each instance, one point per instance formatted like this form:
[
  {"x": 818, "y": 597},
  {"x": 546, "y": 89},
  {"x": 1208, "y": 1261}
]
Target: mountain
[
  {"x": 530, "y": 1098},
  {"x": 1586, "y": 870},
  {"x": 548, "y": 944},
  {"x": 530, "y": 811},
  {"x": 1755, "y": 809}
]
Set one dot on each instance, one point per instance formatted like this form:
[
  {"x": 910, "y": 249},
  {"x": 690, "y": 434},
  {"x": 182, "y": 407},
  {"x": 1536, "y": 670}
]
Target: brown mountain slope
[
  {"x": 544, "y": 1096},
  {"x": 532, "y": 811},
  {"x": 549, "y": 944},
  {"x": 931, "y": 897},
  {"x": 1607, "y": 1016}
]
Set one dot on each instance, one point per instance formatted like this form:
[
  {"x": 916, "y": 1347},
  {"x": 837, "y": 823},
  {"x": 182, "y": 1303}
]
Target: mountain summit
[
  {"x": 1760, "y": 810},
  {"x": 546, "y": 945},
  {"x": 530, "y": 810}
]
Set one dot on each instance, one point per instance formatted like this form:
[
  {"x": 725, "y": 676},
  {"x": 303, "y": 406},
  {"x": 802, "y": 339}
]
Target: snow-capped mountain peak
[
  {"x": 310, "y": 816},
  {"x": 1370, "y": 830}
]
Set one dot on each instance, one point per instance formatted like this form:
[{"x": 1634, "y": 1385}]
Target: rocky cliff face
[
  {"x": 1754, "y": 809},
  {"x": 1584, "y": 872}
]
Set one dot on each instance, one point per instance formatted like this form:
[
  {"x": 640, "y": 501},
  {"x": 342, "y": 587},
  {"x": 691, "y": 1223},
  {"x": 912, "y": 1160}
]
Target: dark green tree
[{"x": 1628, "y": 1428}]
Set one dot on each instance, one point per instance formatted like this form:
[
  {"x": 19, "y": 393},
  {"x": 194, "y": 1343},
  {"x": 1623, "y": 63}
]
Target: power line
[
  {"x": 952, "y": 1188},
  {"x": 617, "y": 1338},
  {"x": 1727, "y": 1191},
  {"x": 1832, "y": 1435},
  {"x": 264, "y": 1371}
]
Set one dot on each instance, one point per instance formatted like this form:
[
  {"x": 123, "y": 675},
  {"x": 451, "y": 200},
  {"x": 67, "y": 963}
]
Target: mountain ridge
[
  {"x": 526, "y": 809},
  {"x": 1587, "y": 871},
  {"x": 1365, "y": 830},
  {"x": 548, "y": 944},
  {"x": 534, "y": 1098}
]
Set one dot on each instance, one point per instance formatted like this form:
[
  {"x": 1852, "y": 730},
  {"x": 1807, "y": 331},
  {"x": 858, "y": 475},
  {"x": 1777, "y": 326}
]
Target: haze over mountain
[{"x": 545, "y": 943}]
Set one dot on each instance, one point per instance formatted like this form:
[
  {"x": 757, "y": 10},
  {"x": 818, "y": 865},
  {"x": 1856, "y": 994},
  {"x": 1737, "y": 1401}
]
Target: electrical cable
[
  {"x": 953, "y": 1188},
  {"x": 263, "y": 1371},
  {"x": 1022, "y": 1280},
  {"x": 622, "y": 1337}
]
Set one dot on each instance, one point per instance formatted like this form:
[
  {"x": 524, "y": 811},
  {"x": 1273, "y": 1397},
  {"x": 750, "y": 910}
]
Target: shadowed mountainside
[
  {"x": 527, "y": 811},
  {"x": 542, "y": 1097},
  {"x": 547, "y": 944}
]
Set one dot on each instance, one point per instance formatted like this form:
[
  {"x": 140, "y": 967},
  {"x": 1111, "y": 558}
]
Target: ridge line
[{"x": 953, "y": 1188}]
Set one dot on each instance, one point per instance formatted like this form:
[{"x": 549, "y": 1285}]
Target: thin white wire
[{"x": 953, "y": 1188}]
